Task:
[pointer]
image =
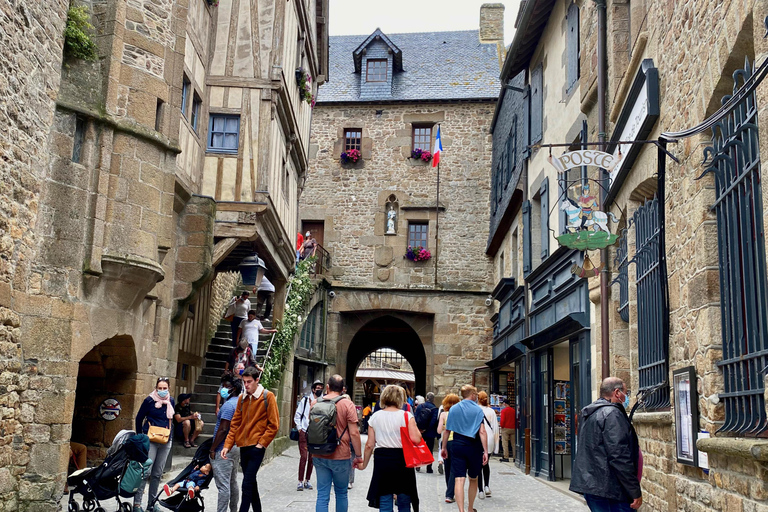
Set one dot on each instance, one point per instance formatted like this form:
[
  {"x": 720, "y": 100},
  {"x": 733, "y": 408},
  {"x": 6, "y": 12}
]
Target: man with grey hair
[
  {"x": 426, "y": 420},
  {"x": 607, "y": 465}
]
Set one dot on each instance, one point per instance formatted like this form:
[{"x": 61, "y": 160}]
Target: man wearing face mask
[
  {"x": 606, "y": 469},
  {"x": 225, "y": 470},
  {"x": 301, "y": 419}
]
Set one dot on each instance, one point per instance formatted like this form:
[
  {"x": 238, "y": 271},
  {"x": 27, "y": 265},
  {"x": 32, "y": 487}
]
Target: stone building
[
  {"x": 387, "y": 96},
  {"x": 130, "y": 181}
]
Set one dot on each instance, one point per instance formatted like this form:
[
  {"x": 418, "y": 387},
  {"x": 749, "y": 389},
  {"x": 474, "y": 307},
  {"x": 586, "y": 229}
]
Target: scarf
[{"x": 169, "y": 412}]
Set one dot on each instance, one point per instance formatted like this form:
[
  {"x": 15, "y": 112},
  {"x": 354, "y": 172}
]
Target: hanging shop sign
[
  {"x": 587, "y": 157},
  {"x": 109, "y": 409}
]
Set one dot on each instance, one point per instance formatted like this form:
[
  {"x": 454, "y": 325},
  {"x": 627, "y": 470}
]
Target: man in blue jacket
[{"x": 606, "y": 467}]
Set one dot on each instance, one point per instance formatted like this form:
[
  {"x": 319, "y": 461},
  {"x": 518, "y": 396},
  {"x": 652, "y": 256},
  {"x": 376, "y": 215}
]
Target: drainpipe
[{"x": 601, "y": 81}]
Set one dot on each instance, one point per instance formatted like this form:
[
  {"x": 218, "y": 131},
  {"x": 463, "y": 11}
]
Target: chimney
[{"x": 492, "y": 28}]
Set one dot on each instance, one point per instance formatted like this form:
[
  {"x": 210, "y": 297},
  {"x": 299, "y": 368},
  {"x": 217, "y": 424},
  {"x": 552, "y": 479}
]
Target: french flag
[{"x": 438, "y": 149}]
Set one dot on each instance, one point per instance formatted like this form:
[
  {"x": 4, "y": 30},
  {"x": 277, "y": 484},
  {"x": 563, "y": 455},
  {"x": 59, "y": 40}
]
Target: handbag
[
  {"x": 159, "y": 435},
  {"x": 229, "y": 313},
  {"x": 415, "y": 455}
]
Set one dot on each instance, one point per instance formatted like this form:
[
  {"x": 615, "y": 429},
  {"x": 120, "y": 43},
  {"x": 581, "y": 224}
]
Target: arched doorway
[
  {"x": 392, "y": 333},
  {"x": 108, "y": 371}
]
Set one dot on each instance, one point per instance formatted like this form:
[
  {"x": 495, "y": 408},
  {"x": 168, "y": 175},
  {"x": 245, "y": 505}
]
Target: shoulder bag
[
  {"x": 159, "y": 435},
  {"x": 415, "y": 455}
]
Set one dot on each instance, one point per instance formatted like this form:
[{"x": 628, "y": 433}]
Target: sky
[{"x": 357, "y": 17}]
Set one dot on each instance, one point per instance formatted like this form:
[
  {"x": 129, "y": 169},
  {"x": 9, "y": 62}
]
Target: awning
[
  {"x": 382, "y": 374},
  {"x": 516, "y": 351},
  {"x": 567, "y": 326}
]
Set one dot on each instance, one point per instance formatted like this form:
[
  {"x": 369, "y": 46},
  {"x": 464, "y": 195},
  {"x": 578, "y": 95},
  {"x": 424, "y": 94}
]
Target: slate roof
[{"x": 436, "y": 66}]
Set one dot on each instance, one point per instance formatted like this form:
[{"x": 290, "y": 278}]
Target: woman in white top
[
  {"x": 390, "y": 476},
  {"x": 492, "y": 429},
  {"x": 249, "y": 330}
]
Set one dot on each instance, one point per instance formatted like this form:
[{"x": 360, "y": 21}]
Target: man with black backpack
[
  {"x": 426, "y": 420},
  {"x": 332, "y": 427}
]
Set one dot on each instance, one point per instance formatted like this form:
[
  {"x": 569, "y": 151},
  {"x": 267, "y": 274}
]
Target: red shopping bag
[{"x": 416, "y": 455}]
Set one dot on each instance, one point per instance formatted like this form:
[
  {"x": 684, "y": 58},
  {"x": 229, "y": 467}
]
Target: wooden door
[{"x": 315, "y": 227}]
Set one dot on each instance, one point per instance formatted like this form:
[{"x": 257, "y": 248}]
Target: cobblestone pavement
[{"x": 511, "y": 489}]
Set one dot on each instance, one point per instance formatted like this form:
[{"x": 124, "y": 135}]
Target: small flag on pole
[{"x": 438, "y": 149}]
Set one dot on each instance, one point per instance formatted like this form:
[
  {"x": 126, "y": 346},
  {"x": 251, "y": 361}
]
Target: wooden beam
[
  {"x": 237, "y": 206},
  {"x": 222, "y": 249},
  {"x": 234, "y": 230}
]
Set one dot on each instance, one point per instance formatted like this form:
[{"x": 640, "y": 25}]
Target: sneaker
[
  {"x": 487, "y": 491},
  {"x": 429, "y": 469},
  {"x": 418, "y": 470},
  {"x": 450, "y": 500},
  {"x": 300, "y": 487},
  {"x": 350, "y": 485},
  {"x": 440, "y": 469},
  {"x": 167, "y": 490},
  {"x": 308, "y": 485},
  {"x": 481, "y": 495},
  {"x": 503, "y": 460},
  {"x": 191, "y": 493}
]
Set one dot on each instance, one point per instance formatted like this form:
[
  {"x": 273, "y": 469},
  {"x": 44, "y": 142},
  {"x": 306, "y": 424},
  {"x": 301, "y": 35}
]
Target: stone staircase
[{"x": 207, "y": 385}]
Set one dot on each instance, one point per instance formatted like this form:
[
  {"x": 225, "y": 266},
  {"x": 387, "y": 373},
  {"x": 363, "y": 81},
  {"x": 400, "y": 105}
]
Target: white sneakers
[
  {"x": 487, "y": 491},
  {"x": 349, "y": 486}
]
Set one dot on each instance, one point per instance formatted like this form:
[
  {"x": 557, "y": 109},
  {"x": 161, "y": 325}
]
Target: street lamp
[{"x": 252, "y": 270}]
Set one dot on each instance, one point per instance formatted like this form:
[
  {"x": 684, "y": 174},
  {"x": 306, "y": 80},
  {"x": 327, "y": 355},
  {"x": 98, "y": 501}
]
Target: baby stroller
[
  {"x": 180, "y": 501},
  {"x": 103, "y": 481}
]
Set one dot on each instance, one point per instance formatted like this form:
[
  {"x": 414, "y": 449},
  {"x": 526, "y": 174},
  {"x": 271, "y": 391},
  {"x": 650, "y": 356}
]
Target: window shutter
[
  {"x": 544, "y": 194},
  {"x": 527, "y": 122},
  {"x": 526, "y": 237},
  {"x": 573, "y": 46},
  {"x": 537, "y": 103}
]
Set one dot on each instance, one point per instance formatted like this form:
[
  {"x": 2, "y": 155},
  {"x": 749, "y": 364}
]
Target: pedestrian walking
[
  {"x": 492, "y": 431},
  {"x": 390, "y": 475},
  {"x": 607, "y": 465},
  {"x": 253, "y": 426},
  {"x": 508, "y": 424},
  {"x": 249, "y": 330},
  {"x": 225, "y": 470},
  {"x": 242, "y": 354},
  {"x": 156, "y": 411},
  {"x": 449, "y": 401},
  {"x": 301, "y": 419},
  {"x": 426, "y": 419},
  {"x": 265, "y": 294},
  {"x": 333, "y": 429},
  {"x": 469, "y": 448},
  {"x": 242, "y": 305},
  {"x": 188, "y": 425}
]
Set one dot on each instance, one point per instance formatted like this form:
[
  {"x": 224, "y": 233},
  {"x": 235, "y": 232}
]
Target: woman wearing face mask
[
  {"x": 242, "y": 354},
  {"x": 157, "y": 410},
  {"x": 225, "y": 470}
]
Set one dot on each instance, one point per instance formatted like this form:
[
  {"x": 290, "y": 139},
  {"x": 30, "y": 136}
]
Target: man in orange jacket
[{"x": 253, "y": 427}]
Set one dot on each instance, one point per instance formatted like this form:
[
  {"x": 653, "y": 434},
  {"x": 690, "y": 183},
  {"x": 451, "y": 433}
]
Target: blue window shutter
[
  {"x": 544, "y": 194},
  {"x": 573, "y": 46},
  {"x": 526, "y": 237},
  {"x": 537, "y": 103}
]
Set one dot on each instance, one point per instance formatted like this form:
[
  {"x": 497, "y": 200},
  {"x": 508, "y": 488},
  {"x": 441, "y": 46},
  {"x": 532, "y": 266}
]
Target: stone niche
[{"x": 391, "y": 215}]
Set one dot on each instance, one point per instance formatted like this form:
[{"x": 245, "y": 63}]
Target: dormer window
[{"x": 377, "y": 70}]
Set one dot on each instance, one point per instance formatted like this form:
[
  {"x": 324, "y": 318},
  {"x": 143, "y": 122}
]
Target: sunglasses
[{"x": 163, "y": 379}]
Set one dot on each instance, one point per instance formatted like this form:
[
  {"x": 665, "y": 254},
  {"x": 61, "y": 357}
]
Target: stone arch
[{"x": 109, "y": 370}]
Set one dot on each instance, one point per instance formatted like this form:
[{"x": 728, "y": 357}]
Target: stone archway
[
  {"x": 109, "y": 370},
  {"x": 388, "y": 331}
]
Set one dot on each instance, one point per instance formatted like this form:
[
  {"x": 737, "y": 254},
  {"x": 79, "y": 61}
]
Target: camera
[
  {"x": 331, "y": 294},
  {"x": 489, "y": 301}
]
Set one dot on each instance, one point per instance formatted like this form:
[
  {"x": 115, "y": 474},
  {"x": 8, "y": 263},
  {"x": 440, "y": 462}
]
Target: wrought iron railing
[{"x": 323, "y": 262}]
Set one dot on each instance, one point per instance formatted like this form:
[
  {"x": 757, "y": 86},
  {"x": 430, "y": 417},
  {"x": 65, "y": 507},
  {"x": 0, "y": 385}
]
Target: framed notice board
[
  {"x": 686, "y": 415},
  {"x": 511, "y": 387}
]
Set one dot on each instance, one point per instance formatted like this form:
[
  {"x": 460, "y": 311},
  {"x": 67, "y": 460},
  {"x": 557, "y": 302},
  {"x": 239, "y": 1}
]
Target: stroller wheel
[
  {"x": 89, "y": 505},
  {"x": 125, "y": 507},
  {"x": 73, "y": 506},
  {"x": 99, "y": 509}
]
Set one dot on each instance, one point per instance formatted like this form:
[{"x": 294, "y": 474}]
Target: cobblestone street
[{"x": 512, "y": 491}]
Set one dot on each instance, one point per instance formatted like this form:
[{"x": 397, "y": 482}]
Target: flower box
[
  {"x": 304, "y": 82},
  {"x": 421, "y": 154},
  {"x": 417, "y": 253},
  {"x": 350, "y": 157}
]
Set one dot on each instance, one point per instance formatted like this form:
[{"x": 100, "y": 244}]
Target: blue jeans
[
  {"x": 329, "y": 471},
  {"x": 386, "y": 503},
  {"x": 599, "y": 504}
]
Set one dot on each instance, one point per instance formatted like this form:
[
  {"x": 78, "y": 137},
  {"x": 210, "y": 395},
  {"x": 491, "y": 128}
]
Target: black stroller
[
  {"x": 103, "y": 481},
  {"x": 180, "y": 501}
]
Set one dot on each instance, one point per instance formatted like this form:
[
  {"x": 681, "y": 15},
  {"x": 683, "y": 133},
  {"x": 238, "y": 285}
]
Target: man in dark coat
[
  {"x": 606, "y": 467},
  {"x": 426, "y": 420}
]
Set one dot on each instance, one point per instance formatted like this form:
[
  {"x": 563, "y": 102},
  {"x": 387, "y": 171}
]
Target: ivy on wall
[
  {"x": 77, "y": 39},
  {"x": 296, "y": 304}
]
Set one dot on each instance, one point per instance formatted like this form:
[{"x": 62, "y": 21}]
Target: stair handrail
[{"x": 272, "y": 339}]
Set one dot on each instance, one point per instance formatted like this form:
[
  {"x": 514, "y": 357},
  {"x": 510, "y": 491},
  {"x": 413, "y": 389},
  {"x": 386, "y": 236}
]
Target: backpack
[
  {"x": 321, "y": 433},
  {"x": 135, "y": 473},
  {"x": 424, "y": 416}
]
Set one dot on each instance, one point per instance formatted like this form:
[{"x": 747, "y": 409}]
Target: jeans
[
  {"x": 225, "y": 476},
  {"x": 250, "y": 460},
  {"x": 387, "y": 503},
  {"x": 336, "y": 472},
  {"x": 158, "y": 453},
  {"x": 450, "y": 480},
  {"x": 599, "y": 504},
  {"x": 305, "y": 458}
]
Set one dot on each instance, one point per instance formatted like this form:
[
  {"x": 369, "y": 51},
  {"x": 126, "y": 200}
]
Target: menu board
[{"x": 562, "y": 423}]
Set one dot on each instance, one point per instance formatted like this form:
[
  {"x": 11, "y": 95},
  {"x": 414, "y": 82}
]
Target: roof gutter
[{"x": 520, "y": 35}]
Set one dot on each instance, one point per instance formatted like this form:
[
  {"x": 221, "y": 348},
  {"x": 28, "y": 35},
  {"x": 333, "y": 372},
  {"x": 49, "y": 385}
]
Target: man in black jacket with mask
[{"x": 606, "y": 467}]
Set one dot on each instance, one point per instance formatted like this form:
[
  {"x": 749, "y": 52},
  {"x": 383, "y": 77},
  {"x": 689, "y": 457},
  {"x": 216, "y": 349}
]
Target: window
[
  {"x": 417, "y": 234},
  {"x": 511, "y": 150},
  {"x": 185, "y": 88},
  {"x": 286, "y": 180},
  {"x": 376, "y": 70},
  {"x": 159, "y": 115},
  {"x": 223, "y": 133},
  {"x": 544, "y": 205},
  {"x": 622, "y": 260},
  {"x": 513, "y": 256},
  {"x": 352, "y": 139},
  {"x": 422, "y": 138},
  {"x": 527, "y": 238},
  {"x": 572, "y": 50},
  {"x": 313, "y": 330},
  {"x": 537, "y": 104},
  {"x": 79, "y": 138},
  {"x": 197, "y": 104},
  {"x": 501, "y": 265},
  {"x": 652, "y": 309}
]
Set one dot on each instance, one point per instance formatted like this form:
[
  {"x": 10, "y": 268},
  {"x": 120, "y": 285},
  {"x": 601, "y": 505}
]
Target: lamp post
[{"x": 252, "y": 270}]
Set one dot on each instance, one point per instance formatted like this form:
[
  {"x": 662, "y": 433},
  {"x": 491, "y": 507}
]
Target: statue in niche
[{"x": 391, "y": 220}]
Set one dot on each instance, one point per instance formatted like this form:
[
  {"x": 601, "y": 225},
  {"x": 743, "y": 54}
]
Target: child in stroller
[
  {"x": 192, "y": 483},
  {"x": 187, "y": 501}
]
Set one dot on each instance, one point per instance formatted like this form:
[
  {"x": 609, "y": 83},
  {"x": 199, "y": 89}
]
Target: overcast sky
[{"x": 355, "y": 17}]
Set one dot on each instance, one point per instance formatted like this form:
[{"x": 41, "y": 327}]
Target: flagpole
[{"x": 437, "y": 210}]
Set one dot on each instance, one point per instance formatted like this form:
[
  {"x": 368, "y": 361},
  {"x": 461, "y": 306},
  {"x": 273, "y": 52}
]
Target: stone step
[
  {"x": 212, "y": 363},
  {"x": 207, "y": 379},
  {"x": 208, "y": 417},
  {"x": 216, "y": 356},
  {"x": 202, "y": 407},
  {"x": 205, "y": 389},
  {"x": 222, "y": 340},
  {"x": 221, "y": 349}
]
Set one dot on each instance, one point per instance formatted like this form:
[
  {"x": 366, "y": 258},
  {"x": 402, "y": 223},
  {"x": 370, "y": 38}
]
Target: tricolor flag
[{"x": 438, "y": 149}]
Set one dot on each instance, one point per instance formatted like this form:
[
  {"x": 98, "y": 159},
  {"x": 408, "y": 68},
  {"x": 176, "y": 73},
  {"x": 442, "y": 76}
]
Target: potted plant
[
  {"x": 350, "y": 157},
  {"x": 421, "y": 154},
  {"x": 417, "y": 253},
  {"x": 304, "y": 82}
]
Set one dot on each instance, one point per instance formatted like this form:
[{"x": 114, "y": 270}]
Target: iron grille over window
[
  {"x": 352, "y": 138},
  {"x": 312, "y": 329},
  {"x": 417, "y": 234},
  {"x": 652, "y": 346},
  {"x": 734, "y": 158},
  {"x": 623, "y": 278},
  {"x": 422, "y": 138},
  {"x": 376, "y": 70}
]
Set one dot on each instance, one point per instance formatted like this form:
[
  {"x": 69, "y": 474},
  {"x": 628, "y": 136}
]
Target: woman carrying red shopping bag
[{"x": 391, "y": 474}]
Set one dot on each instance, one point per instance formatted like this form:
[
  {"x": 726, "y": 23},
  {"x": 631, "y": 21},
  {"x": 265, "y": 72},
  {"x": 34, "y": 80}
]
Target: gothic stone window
[
  {"x": 376, "y": 70},
  {"x": 417, "y": 234},
  {"x": 352, "y": 138}
]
